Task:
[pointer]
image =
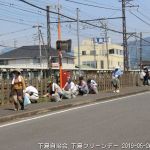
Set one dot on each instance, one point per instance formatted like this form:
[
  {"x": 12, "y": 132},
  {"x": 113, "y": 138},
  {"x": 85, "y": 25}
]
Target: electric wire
[
  {"x": 140, "y": 18},
  {"x": 86, "y": 4}
]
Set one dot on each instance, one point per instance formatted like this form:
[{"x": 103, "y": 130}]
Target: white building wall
[{"x": 31, "y": 64}]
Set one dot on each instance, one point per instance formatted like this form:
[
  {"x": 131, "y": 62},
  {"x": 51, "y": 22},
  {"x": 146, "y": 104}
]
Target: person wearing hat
[
  {"x": 17, "y": 87},
  {"x": 115, "y": 79}
]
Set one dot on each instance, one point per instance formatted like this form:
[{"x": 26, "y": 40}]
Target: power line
[
  {"x": 91, "y": 1},
  {"x": 68, "y": 21},
  {"x": 76, "y": 20},
  {"x": 14, "y": 32},
  {"x": 140, "y": 18},
  {"x": 69, "y": 17},
  {"x": 15, "y": 22},
  {"x": 16, "y": 19},
  {"x": 143, "y": 15},
  {"x": 86, "y": 4},
  {"x": 12, "y": 6}
]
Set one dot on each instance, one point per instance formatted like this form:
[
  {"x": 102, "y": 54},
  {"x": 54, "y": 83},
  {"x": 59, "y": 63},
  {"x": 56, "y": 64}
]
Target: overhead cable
[{"x": 86, "y": 4}]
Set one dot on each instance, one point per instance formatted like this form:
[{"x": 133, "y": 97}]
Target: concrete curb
[{"x": 63, "y": 106}]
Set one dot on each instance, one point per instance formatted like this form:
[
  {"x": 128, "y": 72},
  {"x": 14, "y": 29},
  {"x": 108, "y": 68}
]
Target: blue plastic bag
[{"x": 26, "y": 100}]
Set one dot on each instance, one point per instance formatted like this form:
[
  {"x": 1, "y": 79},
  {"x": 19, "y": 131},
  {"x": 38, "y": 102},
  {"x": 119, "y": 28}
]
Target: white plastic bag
[
  {"x": 26, "y": 100},
  {"x": 142, "y": 74}
]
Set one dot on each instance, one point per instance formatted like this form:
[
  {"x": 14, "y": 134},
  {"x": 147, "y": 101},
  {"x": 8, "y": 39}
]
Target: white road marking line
[{"x": 71, "y": 109}]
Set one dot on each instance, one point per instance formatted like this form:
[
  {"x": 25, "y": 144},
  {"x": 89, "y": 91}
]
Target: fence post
[
  {"x": 8, "y": 89},
  {"x": 2, "y": 92}
]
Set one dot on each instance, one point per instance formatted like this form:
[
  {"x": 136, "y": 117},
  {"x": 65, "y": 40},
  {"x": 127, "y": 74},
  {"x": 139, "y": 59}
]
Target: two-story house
[{"x": 34, "y": 60}]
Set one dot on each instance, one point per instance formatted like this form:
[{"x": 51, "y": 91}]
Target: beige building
[{"x": 93, "y": 55}]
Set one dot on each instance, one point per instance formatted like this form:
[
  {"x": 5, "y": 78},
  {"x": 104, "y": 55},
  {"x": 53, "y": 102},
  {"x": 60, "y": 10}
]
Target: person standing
[
  {"x": 17, "y": 87},
  {"x": 146, "y": 77},
  {"x": 142, "y": 75},
  {"x": 116, "y": 79}
]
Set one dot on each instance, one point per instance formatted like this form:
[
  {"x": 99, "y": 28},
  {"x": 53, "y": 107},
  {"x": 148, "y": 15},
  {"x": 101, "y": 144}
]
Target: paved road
[{"x": 114, "y": 125}]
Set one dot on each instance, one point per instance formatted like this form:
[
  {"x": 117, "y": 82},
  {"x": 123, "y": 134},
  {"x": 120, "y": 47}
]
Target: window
[
  {"x": 111, "y": 51},
  {"x": 92, "y": 64},
  {"x": 36, "y": 61},
  {"x": 121, "y": 52},
  {"x": 102, "y": 64},
  {"x": 93, "y": 52},
  {"x": 1, "y": 62},
  {"x": 83, "y": 52},
  {"x": 65, "y": 60},
  {"x": 117, "y": 51}
]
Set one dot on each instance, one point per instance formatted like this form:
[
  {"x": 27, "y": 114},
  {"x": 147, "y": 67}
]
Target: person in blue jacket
[{"x": 115, "y": 79}]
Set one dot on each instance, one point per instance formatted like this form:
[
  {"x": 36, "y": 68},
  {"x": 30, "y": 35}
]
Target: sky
[{"x": 17, "y": 20}]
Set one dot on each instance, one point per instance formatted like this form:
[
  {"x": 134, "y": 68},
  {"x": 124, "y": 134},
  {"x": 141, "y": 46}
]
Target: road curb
[{"x": 63, "y": 106}]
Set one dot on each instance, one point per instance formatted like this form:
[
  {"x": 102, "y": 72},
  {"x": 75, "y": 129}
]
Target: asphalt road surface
[{"x": 118, "y": 124}]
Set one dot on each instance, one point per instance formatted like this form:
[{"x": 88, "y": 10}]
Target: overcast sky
[{"x": 17, "y": 20}]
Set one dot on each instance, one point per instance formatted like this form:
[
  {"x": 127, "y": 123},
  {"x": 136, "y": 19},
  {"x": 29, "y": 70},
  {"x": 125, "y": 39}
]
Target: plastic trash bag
[{"x": 26, "y": 100}]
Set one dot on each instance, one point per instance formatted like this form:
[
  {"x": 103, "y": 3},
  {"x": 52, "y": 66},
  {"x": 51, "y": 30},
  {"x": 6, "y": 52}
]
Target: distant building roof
[{"x": 31, "y": 52}]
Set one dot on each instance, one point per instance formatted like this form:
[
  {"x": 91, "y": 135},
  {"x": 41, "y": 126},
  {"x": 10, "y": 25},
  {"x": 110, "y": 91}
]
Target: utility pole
[
  {"x": 78, "y": 40},
  {"x": 125, "y": 49},
  {"x": 140, "y": 51},
  {"x": 15, "y": 43},
  {"x": 104, "y": 24},
  {"x": 59, "y": 51},
  {"x": 94, "y": 46},
  {"x": 136, "y": 47},
  {"x": 106, "y": 42},
  {"x": 125, "y": 43},
  {"x": 59, "y": 26},
  {"x": 48, "y": 40},
  {"x": 40, "y": 49},
  {"x": 39, "y": 38}
]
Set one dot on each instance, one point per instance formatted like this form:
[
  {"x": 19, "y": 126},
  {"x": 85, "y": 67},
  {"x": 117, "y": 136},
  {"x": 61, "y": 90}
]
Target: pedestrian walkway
[{"x": 7, "y": 113}]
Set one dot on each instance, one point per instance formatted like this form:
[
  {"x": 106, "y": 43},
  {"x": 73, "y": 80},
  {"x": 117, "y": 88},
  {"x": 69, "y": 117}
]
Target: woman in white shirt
[
  {"x": 92, "y": 85},
  {"x": 70, "y": 89}
]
